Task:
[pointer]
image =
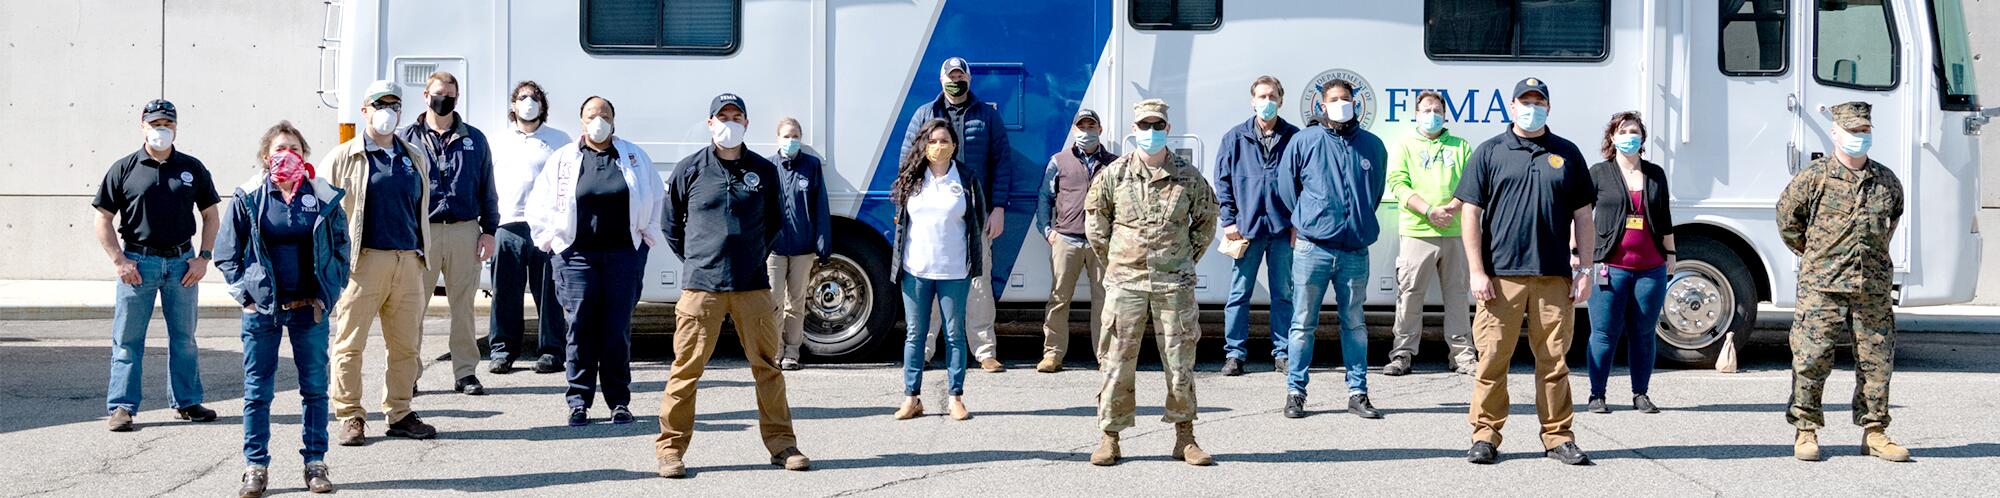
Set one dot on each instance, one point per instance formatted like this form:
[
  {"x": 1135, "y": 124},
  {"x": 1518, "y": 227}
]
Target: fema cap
[
  {"x": 159, "y": 109},
  {"x": 726, "y": 100},
  {"x": 1531, "y": 84},
  {"x": 1086, "y": 114}
]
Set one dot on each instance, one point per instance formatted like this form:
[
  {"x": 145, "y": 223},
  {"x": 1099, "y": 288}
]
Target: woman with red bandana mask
[{"x": 283, "y": 248}]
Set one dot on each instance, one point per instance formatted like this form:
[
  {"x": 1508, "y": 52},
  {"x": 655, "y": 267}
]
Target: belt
[
  {"x": 164, "y": 253},
  {"x": 302, "y": 303}
]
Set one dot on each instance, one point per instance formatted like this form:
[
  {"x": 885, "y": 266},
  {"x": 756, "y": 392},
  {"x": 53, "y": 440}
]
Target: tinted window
[
  {"x": 1176, "y": 14},
  {"x": 1516, "y": 29},
  {"x": 1753, "y": 37},
  {"x": 661, "y": 26},
  {"x": 1856, "y": 46}
]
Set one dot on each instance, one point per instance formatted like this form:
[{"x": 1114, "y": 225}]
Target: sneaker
[
  {"x": 1568, "y": 454},
  {"x": 1644, "y": 404},
  {"x": 992, "y": 365},
  {"x": 469, "y": 385},
  {"x": 1280, "y": 365},
  {"x": 1482, "y": 453},
  {"x": 788, "y": 364},
  {"x": 255, "y": 478},
  {"x": 353, "y": 432},
  {"x": 500, "y": 365},
  {"x": 548, "y": 364},
  {"x": 1232, "y": 367},
  {"x": 120, "y": 420},
  {"x": 1597, "y": 405},
  {"x": 1295, "y": 405},
  {"x": 195, "y": 413},
  {"x": 791, "y": 459},
  {"x": 579, "y": 416},
  {"x": 671, "y": 467},
  {"x": 412, "y": 427},
  {"x": 316, "y": 478},
  {"x": 1398, "y": 366},
  {"x": 621, "y": 415},
  {"x": 1359, "y": 406}
]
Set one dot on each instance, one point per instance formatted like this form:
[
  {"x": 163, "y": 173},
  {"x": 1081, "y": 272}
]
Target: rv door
[{"x": 1860, "y": 51}]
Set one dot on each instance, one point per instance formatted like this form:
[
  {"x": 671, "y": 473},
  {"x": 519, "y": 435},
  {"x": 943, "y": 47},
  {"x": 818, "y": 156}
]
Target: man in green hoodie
[{"x": 1424, "y": 167}]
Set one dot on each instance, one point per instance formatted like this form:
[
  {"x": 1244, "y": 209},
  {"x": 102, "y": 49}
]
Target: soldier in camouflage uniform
[
  {"x": 1838, "y": 215},
  {"x": 1150, "y": 216}
]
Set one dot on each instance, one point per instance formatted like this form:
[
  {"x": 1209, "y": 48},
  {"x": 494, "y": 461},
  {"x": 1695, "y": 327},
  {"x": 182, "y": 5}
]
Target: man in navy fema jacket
[{"x": 1246, "y": 183}]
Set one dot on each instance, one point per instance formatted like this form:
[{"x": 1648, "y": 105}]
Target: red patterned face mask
[{"x": 288, "y": 167}]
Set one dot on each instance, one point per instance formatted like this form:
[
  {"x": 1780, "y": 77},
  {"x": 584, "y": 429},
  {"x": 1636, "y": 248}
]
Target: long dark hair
[
  {"x": 910, "y": 175},
  {"x": 1618, "y": 121}
]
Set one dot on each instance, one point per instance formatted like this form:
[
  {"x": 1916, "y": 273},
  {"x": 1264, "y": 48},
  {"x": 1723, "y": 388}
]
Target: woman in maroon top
[{"x": 1635, "y": 255}]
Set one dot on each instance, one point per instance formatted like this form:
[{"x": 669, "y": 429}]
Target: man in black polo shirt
[
  {"x": 154, "y": 194},
  {"x": 464, "y": 213},
  {"x": 1527, "y": 197}
]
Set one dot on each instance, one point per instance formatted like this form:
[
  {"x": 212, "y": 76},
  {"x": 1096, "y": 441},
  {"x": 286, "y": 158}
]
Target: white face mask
[
  {"x": 598, "y": 129},
  {"x": 527, "y": 110},
  {"x": 1340, "y": 111},
  {"x": 159, "y": 138},
  {"x": 726, "y": 134},
  {"x": 382, "y": 122}
]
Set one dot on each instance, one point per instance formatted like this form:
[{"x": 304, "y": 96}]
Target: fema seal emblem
[
  {"x": 957, "y": 190},
  {"x": 187, "y": 177},
  {"x": 751, "y": 180},
  {"x": 1364, "y": 96},
  {"x": 804, "y": 184},
  {"x": 308, "y": 200}
]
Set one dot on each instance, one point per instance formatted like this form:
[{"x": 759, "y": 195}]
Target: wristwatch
[{"x": 208, "y": 255}]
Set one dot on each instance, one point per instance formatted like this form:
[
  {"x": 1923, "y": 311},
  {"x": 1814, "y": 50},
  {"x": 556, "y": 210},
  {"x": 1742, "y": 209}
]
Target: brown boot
[
  {"x": 1184, "y": 447},
  {"x": 1107, "y": 450},
  {"x": 1049, "y": 365},
  {"x": 120, "y": 420},
  {"x": 1805, "y": 446},
  {"x": 992, "y": 365},
  {"x": 912, "y": 408},
  {"x": 1875, "y": 441},
  {"x": 353, "y": 432},
  {"x": 671, "y": 466}
]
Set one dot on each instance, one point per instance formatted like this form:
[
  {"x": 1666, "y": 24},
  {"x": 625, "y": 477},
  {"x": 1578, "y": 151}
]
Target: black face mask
[
  {"x": 954, "y": 88},
  {"x": 443, "y": 104}
]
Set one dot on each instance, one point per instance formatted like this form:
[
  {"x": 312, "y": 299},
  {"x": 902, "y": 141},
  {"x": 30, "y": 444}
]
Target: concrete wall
[{"x": 73, "y": 74}]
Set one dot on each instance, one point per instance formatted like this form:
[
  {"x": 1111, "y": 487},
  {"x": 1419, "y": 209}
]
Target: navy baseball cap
[
  {"x": 1532, "y": 84},
  {"x": 725, "y": 100},
  {"x": 953, "y": 64},
  {"x": 159, "y": 109}
]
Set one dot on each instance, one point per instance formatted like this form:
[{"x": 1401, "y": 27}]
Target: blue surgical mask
[
  {"x": 789, "y": 147},
  {"x": 1150, "y": 141},
  {"x": 1265, "y": 109},
  {"x": 1429, "y": 122},
  {"x": 1857, "y": 144},
  {"x": 1530, "y": 117},
  {"x": 1627, "y": 143}
]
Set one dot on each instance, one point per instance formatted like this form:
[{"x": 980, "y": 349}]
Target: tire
[
  {"x": 850, "y": 302},
  {"x": 1710, "y": 294}
]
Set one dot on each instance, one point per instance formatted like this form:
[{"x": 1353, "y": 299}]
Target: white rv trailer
[{"x": 1735, "y": 93}]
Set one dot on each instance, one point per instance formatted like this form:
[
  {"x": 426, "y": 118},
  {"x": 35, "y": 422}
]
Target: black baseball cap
[
  {"x": 1086, "y": 114},
  {"x": 159, "y": 109},
  {"x": 1531, "y": 84},
  {"x": 725, "y": 100}
]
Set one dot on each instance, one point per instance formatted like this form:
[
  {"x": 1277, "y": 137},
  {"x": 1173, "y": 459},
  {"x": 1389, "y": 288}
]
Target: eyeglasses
[
  {"x": 1152, "y": 125},
  {"x": 383, "y": 105}
]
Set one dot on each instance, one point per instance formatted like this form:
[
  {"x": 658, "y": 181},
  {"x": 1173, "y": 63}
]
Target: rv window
[
  {"x": 1176, "y": 15},
  {"x": 664, "y": 27},
  {"x": 1856, "y": 45},
  {"x": 1535, "y": 30},
  {"x": 1956, "y": 88},
  {"x": 1753, "y": 36}
]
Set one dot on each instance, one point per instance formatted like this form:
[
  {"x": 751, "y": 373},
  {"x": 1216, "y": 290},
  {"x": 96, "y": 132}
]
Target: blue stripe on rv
[{"x": 1034, "y": 59}]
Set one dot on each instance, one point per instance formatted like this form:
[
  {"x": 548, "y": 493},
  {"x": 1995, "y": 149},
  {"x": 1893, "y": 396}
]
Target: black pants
[
  {"x": 598, "y": 290},
  {"x": 519, "y": 264}
]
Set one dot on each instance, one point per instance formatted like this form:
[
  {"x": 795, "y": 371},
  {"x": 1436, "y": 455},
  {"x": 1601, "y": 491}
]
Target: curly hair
[
  {"x": 271, "y": 135},
  {"x": 1618, "y": 121},
  {"x": 910, "y": 174}
]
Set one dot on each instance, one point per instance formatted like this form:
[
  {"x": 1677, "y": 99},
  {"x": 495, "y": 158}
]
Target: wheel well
[
  {"x": 852, "y": 230},
  {"x": 1737, "y": 245}
]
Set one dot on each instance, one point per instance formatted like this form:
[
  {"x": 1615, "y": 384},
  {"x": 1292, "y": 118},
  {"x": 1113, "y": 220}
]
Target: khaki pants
[
  {"x": 386, "y": 284},
  {"x": 978, "y": 313},
  {"x": 1174, "y": 315},
  {"x": 1420, "y": 260},
  {"x": 789, "y": 276},
  {"x": 1545, "y": 302},
  {"x": 1067, "y": 263},
  {"x": 697, "y": 326},
  {"x": 454, "y": 252}
]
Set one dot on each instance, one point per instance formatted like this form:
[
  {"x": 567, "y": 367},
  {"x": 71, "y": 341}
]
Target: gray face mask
[{"x": 1084, "y": 139}]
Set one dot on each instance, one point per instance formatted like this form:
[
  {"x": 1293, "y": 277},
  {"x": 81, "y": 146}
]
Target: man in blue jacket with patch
[
  {"x": 1246, "y": 183},
  {"x": 1334, "y": 174},
  {"x": 983, "y": 152}
]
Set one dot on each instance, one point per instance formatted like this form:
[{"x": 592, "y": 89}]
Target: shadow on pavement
[
  {"x": 60, "y": 385},
  {"x": 489, "y": 484}
]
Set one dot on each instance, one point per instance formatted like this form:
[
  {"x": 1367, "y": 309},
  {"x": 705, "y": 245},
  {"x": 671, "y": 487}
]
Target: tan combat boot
[
  {"x": 1806, "y": 446},
  {"x": 1107, "y": 450},
  {"x": 1185, "y": 448},
  {"x": 1874, "y": 441},
  {"x": 1049, "y": 364}
]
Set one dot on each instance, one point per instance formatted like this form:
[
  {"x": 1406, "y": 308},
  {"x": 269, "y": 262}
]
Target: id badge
[
  {"x": 1635, "y": 223},
  {"x": 1601, "y": 274}
]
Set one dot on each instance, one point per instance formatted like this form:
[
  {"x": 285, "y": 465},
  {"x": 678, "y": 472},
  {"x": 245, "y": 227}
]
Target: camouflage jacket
[
  {"x": 1839, "y": 221},
  {"x": 1150, "y": 225}
]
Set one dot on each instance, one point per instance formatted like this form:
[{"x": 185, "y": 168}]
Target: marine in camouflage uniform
[
  {"x": 1839, "y": 220},
  {"x": 1150, "y": 224}
]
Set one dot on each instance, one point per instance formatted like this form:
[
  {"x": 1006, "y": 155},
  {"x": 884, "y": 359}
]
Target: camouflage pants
[
  {"x": 1822, "y": 317},
  {"x": 1174, "y": 315}
]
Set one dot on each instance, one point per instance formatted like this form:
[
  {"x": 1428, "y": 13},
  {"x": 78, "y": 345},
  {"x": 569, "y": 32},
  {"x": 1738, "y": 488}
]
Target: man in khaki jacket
[{"x": 386, "y": 178}]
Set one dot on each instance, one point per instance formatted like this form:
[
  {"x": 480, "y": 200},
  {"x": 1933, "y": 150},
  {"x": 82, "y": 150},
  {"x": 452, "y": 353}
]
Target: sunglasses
[
  {"x": 1152, "y": 125},
  {"x": 381, "y": 105},
  {"x": 159, "y": 106}
]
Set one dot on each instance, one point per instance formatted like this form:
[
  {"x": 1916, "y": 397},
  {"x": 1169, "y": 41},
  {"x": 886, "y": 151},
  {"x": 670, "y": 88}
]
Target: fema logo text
[{"x": 1466, "y": 105}]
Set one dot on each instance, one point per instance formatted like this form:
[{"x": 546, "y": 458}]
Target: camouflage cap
[
  {"x": 1149, "y": 108},
  {"x": 1851, "y": 115}
]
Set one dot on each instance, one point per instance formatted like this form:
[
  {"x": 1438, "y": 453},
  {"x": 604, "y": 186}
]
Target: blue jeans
[
  {"x": 918, "y": 293},
  {"x": 1243, "y": 283},
  {"x": 261, "y": 334},
  {"x": 598, "y": 290},
  {"x": 1314, "y": 268},
  {"x": 1627, "y": 311},
  {"x": 159, "y": 277}
]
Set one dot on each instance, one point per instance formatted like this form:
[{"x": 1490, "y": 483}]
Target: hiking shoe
[
  {"x": 1295, "y": 405},
  {"x": 1359, "y": 406},
  {"x": 579, "y": 416},
  {"x": 1397, "y": 366},
  {"x": 621, "y": 415},
  {"x": 412, "y": 427},
  {"x": 548, "y": 364},
  {"x": 791, "y": 459},
  {"x": 120, "y": 420}
]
